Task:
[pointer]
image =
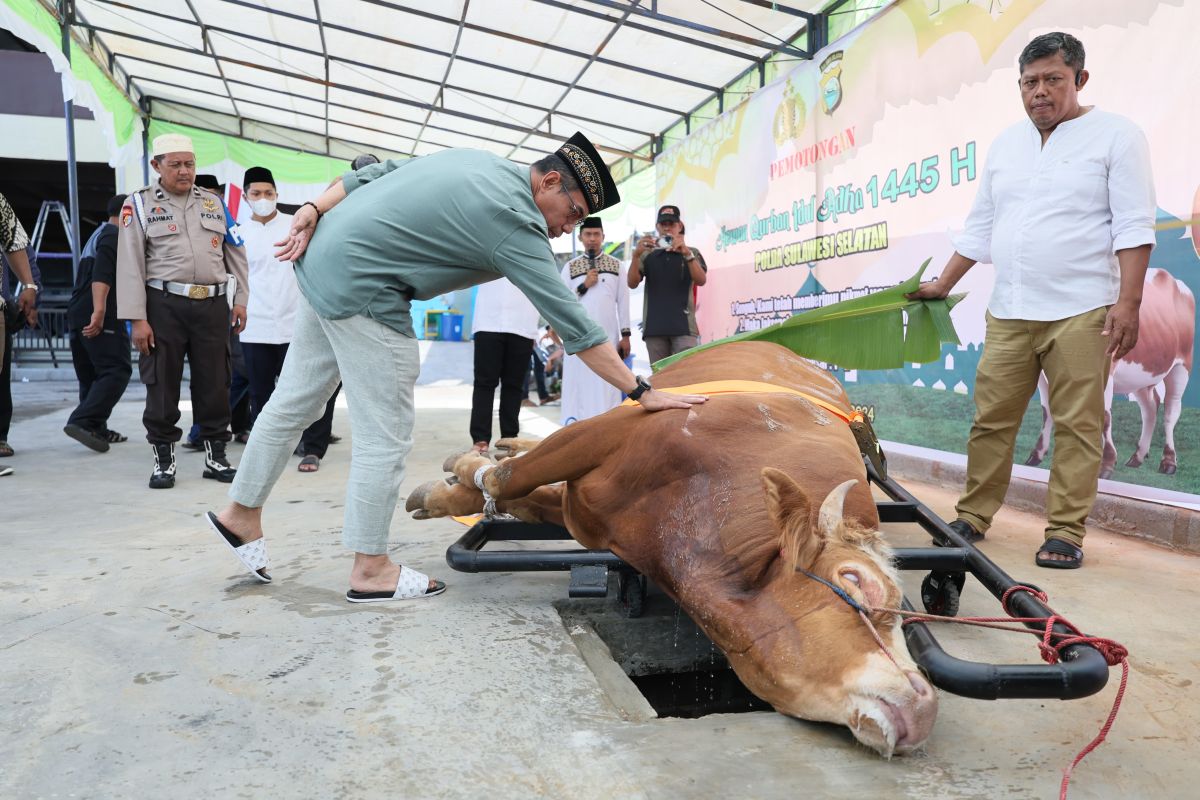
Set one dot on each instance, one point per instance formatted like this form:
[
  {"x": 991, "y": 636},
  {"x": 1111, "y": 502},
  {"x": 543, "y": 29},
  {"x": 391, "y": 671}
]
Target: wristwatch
[
  {"x": 640, "y": 389},
  {"x": 27, "y": 286}
]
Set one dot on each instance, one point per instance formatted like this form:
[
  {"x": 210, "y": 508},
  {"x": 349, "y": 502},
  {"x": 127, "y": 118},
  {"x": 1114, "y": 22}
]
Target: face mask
[{"x": 263, "y": 208}]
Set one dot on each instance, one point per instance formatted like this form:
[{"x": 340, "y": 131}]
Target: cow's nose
[{"x": 920, "y": 685}]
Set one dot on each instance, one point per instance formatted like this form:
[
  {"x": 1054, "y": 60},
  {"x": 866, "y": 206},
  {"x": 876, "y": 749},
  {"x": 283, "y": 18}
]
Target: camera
[{"x": 664, "y": 241}]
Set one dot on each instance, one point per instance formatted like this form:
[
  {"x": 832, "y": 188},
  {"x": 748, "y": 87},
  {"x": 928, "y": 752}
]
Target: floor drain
[
  {"x": 661, "y": 654},
  {"x": 697, "y": 694}
]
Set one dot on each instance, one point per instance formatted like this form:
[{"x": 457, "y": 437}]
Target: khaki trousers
[{"x": 1071, "y": 353}]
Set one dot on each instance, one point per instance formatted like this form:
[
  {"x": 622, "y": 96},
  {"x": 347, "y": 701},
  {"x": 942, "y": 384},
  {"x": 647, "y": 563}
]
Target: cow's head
[{"x": 808, "y": 652}]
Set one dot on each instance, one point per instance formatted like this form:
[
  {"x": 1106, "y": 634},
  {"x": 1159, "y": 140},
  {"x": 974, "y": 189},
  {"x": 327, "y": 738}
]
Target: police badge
[{"x": 831, "y": 81}]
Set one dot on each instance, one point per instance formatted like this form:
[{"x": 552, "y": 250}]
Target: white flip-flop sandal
[
  {"x": 412, "y": 585},
  {"x": 253, "y": 555}
]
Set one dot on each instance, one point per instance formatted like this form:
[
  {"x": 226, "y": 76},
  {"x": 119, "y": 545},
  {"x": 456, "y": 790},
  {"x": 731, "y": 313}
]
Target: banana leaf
[{"x": 868, "y": 332}]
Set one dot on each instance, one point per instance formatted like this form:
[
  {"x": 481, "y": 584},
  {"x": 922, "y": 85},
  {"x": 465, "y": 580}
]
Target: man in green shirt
[{"x": 388, "y": 234}]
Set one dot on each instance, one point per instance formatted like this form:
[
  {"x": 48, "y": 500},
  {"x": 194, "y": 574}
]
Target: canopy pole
[{"x": 66, "y": 13}]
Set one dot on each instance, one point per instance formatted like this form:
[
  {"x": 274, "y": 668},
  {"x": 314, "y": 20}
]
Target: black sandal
[{"x": 1061, "y": 548}]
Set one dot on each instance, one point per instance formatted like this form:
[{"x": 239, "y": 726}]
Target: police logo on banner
[{"x": 831, "y": 81}]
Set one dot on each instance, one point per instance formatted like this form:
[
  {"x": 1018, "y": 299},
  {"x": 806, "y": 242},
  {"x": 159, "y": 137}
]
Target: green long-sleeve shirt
[{"x": 426, "y": 226}]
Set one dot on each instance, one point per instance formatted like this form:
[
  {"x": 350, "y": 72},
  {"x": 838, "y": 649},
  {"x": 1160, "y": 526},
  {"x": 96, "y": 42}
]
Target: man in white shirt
[
  {"x": 504, "y": 326},
  {"x": 1065, "y": 211},
  {"x": 599, "y": 281},
  {"x": 274, "y": 296}
]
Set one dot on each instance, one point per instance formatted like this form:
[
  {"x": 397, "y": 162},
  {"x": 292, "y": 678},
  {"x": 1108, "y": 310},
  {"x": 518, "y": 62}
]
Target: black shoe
[
  {"x": 966, "y": 530},
  {"x": 191, "y": 444},
  {"x": 163, "y": 476},
  {"x": 89, "y": 439},
  {"x": 216, "y": 465}
]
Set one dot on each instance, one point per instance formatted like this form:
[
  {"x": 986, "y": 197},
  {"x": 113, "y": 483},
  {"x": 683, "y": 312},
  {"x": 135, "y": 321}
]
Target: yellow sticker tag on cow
[{"x": 468, "y": 520}]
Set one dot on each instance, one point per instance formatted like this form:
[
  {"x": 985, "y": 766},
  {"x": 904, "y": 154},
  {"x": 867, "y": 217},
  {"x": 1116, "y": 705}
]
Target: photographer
[{"x": 671, "y": 269}]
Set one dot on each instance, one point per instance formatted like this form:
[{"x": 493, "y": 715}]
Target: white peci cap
[{"x": 171, "y": 143}]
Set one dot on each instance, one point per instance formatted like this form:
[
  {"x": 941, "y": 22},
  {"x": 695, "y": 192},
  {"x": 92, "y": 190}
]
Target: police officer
[{"x": 176, "y": 253}]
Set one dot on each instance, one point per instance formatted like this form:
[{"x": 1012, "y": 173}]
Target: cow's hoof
[
  {"x": 1167, "y": 468},
  {"x": 448, "y": 464},
  {"x": 1033, "y": 460},
  {"x": 416, "y": 500}
]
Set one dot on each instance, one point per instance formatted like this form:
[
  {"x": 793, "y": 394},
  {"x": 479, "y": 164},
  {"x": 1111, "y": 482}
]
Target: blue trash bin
[{"x": 450, "y": 327}]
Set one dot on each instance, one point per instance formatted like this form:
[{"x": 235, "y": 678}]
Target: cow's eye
[{"x": 852, "y": 576}]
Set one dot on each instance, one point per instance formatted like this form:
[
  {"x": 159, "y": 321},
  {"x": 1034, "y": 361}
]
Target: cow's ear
[{"x": 800, "y": 542}]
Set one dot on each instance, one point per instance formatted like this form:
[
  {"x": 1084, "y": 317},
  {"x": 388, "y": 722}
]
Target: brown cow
[
  {"x": 718, "y": 506},
  {"x": 1162, "y": 355}
]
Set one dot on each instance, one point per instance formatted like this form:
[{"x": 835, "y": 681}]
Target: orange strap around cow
[{"x": 710, "y": 388}]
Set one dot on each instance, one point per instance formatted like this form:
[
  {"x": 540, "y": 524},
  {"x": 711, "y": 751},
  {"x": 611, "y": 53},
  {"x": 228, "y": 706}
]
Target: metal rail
[{"x": 1082, "y": 671}]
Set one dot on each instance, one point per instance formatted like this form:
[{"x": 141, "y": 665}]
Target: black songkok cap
[
  {"x": 599, "y": 189},
  {"x": 209, "y": 182},
  {"x": 592, "y": 222},
  {"x": 258, "y": 175}
]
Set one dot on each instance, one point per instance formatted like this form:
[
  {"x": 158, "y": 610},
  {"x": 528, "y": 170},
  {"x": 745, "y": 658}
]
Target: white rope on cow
[{"x": 489, "y": 503}]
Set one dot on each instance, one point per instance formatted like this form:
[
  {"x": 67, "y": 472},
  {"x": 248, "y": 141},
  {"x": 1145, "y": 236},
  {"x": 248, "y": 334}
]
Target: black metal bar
[
  {"x": 325, "y": 51},
  {"x": 1086, "y": 659},
  {"x": 437, "y": 98},
  {"x": 372, "y": 93},
  {"x": 896, "y": 512},
  {"x": 217, "y": 63},
  {"x": 578, "y": 76},
  {"x": 234, "y": 34},
  {"x": 541, "y": 45},
  {"x": 1081, "y": 672},
  {"x": 783, "y": 47},
  {"x": 1081, "y": 675},
  {"x": 67, "y": 15},
  {"x": 651, "y": 14}
]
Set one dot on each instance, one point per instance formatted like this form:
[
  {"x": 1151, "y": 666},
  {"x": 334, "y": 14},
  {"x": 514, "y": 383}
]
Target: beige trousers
[{"x": 1071, "y": 353}]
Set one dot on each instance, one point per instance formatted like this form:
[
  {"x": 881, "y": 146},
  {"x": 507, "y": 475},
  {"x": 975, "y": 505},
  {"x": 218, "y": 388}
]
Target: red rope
[{"x": 1114, "y": 653}]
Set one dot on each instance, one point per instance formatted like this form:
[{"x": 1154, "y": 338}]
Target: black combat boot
[
  {"x": 216, "y": 465},
  {"x": 163, "y": 476}
]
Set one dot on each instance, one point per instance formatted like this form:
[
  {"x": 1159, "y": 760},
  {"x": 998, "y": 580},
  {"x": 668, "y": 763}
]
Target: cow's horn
[{"x": 830, "y": 517}]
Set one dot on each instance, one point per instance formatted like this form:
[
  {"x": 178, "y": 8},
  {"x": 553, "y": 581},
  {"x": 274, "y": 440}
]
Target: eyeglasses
[{"x": 577, "y": 213}]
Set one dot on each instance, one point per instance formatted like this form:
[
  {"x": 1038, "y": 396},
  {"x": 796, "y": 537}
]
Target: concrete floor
[{"x": 138, "y": 661}]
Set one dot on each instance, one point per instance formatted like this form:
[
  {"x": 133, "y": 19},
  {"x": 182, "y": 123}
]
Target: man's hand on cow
[
  {"x": 654, "y": 400},
  {"x": 931, "y": 290},
  {"x": 1121, "y": 328},
  {"x": 304, "y": 222}
]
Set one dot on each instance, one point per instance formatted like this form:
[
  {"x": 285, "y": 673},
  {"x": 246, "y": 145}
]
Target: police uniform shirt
[{"x": 184, "y": 239}]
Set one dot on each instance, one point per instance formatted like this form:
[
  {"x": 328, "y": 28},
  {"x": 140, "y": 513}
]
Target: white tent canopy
[{"x": 511, "y": 76}]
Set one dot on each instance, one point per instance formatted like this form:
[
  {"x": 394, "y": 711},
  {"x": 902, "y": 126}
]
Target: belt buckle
[{"x": 198, "y": 292}]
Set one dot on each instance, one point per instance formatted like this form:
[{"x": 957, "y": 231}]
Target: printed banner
[{"x": 842, "y": 177}]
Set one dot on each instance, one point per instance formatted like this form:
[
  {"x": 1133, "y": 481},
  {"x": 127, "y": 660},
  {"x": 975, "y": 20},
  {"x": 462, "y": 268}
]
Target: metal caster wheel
[{"x": 940, "y": 592}]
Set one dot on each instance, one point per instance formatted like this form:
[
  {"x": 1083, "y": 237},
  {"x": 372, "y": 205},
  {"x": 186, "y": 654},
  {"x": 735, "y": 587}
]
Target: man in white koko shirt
[{"x": 1065, "y": 211}]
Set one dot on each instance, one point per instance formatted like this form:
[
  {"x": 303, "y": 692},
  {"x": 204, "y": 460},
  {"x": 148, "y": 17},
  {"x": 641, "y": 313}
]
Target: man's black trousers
[
  {"x": 501, "y": 359},
  {"x": 103, "y": 366},
  {"x": 264, "y": 363},
  {"x": 197, "y": 330}
]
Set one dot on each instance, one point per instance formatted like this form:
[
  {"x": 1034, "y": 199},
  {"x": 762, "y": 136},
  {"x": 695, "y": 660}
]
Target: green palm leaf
[{"x": 883, "y": 330}]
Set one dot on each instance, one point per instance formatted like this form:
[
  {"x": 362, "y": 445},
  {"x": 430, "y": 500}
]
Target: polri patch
[{"x": 126, "y": 216}]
